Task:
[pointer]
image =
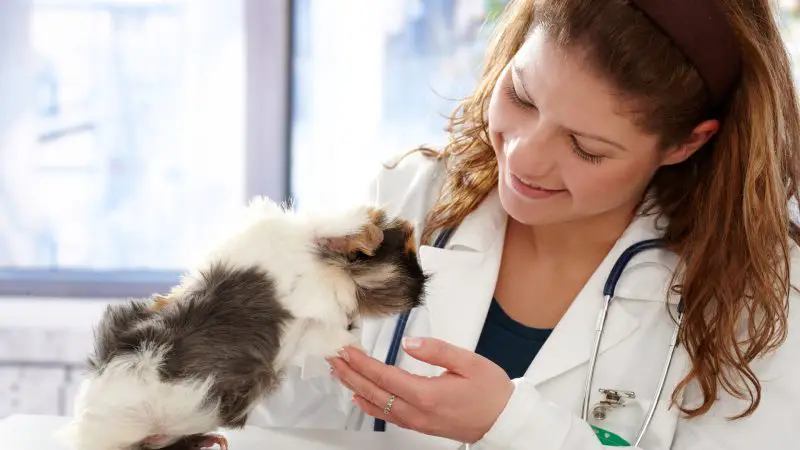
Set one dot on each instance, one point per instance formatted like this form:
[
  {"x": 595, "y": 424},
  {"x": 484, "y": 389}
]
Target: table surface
[{"x": 30, "y": 432}]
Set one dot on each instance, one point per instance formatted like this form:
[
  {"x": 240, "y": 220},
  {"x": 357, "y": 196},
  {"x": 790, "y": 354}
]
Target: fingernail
[
  {"x": 412, "y": 342},
  {"x": 343, "y": 354}
]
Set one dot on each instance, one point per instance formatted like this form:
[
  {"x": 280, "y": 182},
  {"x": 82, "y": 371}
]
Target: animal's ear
[
  {"x": 350, "y": 240},
  {"x": 366, "y": 241}
]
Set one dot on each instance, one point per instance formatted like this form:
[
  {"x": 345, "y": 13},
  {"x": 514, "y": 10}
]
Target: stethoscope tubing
[{"x": 608, "y": 295}]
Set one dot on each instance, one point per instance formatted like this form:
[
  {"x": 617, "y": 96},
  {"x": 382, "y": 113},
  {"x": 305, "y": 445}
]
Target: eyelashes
[
  {"x": 583, "y": 154},
  {"x": 511, "y": 94}
]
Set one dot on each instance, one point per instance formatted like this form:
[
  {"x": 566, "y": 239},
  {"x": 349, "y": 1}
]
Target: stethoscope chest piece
[
  {"x": 612, "y": 399},
  {"x": 615, "y": 416}
]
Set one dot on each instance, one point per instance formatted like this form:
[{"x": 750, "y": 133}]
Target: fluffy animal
[{"x": 167, "y": 372}]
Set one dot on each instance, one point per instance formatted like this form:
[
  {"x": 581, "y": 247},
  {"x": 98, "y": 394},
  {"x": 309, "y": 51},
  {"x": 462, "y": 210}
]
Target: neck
[{"x": 568, "y": 241}]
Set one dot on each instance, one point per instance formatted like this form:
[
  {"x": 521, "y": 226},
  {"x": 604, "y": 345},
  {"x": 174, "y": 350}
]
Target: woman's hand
[{"x": 462, "y": 404}]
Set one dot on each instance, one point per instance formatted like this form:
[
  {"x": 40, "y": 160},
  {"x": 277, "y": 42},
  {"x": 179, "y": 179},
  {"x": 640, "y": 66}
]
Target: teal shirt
[{"x": 508, "y": 343}]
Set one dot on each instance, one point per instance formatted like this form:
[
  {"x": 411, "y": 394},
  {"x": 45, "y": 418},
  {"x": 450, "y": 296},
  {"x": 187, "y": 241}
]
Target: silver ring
[{"x": 388, "y": 408}]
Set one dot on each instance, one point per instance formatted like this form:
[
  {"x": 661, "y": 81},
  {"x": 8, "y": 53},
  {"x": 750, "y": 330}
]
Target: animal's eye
[{"x": 353, "y": 322}]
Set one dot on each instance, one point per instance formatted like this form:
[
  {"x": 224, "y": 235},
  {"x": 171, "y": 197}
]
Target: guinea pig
[{"x": 167, "y": 371}]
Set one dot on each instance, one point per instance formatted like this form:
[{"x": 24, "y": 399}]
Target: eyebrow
[{"x": 518, "y": 71}]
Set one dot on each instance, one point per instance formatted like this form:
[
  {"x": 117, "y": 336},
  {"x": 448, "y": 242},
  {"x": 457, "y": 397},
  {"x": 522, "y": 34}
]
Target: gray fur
[{"x": 229, "y": 325}]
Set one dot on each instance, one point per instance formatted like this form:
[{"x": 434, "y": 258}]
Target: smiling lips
[{"x": 531, "y": 190}]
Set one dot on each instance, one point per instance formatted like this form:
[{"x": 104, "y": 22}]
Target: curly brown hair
[{"x": 727, "y": 206}]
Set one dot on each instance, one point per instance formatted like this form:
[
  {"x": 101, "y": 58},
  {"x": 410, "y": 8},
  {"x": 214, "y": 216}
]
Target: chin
[{"x": 168, "y": 370}]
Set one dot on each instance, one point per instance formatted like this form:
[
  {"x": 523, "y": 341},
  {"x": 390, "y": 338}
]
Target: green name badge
[{"x": 610, "y": 439}]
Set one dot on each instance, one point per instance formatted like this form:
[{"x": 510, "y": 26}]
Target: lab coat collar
[
  {"x": 464, "y": 275},
  {"x": 646, "y": 278}
]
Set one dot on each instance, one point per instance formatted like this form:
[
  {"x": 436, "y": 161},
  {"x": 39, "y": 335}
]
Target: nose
[{"x": 531, "y": 151}]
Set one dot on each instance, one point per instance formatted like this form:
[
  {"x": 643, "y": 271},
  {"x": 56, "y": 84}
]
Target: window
[
  {"x": 125, "y": 136},
  {"x": 131, "y": 129},
  {"x": 373, "y": 79}
]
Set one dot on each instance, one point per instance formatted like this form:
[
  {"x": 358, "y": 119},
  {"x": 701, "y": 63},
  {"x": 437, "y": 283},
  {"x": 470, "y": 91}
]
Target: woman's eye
[
  {"x": 583, "y": 154},
  {"x": 511, "y": 93}
]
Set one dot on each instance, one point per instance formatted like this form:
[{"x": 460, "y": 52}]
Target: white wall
[{"x": 51, "y": 336}]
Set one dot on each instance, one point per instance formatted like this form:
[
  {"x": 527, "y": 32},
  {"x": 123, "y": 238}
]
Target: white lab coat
[{"x": 544, "y": 410}]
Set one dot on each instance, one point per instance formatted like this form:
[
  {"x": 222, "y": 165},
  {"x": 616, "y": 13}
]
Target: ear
[{"x": 697, "y": 138}]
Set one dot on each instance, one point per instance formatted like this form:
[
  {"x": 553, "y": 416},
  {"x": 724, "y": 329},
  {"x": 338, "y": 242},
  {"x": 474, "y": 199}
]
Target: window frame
[{"x": 268, "y": 55}]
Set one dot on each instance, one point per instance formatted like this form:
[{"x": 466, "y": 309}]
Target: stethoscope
[{"x": 608, "y": 296}]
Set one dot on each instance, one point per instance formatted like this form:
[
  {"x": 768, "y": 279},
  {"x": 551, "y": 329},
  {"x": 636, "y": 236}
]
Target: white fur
[
  {"x": 282, "y": 243},
  {"x": 128, "y": 402}
]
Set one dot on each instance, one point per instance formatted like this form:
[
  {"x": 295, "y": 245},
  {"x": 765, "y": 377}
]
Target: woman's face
[{"x": 564, "y": 150}]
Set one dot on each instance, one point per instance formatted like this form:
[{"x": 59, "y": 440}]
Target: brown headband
[{"x": 702, "y": 32}]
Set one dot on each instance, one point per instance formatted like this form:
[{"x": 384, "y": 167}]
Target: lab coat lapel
[
  {"x": 459, "y": 294},
  {"x": 464, "y": 274},
  {"x": 572, "y": 340}
]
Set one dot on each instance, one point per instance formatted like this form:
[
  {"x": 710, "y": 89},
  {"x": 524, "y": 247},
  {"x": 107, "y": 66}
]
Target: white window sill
[{"x": 51, "y": 313}]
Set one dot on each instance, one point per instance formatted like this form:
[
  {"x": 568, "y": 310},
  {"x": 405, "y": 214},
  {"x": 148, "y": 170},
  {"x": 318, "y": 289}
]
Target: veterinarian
[{"x": 597, "y": 125}]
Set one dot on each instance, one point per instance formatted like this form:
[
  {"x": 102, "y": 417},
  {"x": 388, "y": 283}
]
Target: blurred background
[{"x": 130, "y": 130}]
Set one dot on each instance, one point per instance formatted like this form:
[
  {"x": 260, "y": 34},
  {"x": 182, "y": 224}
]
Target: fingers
[
  {"x": 378, "y": 412},
  {"x": 370, "y": 393},
  {"x": 441, "y": 354},
  {"x": 357, "y": 383},
  {"x": 389, "y": 378}
]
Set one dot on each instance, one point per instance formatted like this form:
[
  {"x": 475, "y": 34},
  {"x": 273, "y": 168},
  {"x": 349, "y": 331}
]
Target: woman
[{"x": 597, "y": 125}]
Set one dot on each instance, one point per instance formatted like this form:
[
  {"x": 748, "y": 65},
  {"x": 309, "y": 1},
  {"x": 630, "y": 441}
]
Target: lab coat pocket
[{"x": 634, "y": 371}]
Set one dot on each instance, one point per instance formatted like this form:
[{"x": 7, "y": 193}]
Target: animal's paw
[
  {"x": 195, "y": 442},
  {"x": 209, "y": 440},
  {"x": 326, "y": 340},
  {"x": 340, "y": 340}
]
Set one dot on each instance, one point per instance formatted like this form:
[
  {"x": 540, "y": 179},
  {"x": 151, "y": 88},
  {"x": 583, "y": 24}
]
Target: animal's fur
[{"x": 282, "y": 287}]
